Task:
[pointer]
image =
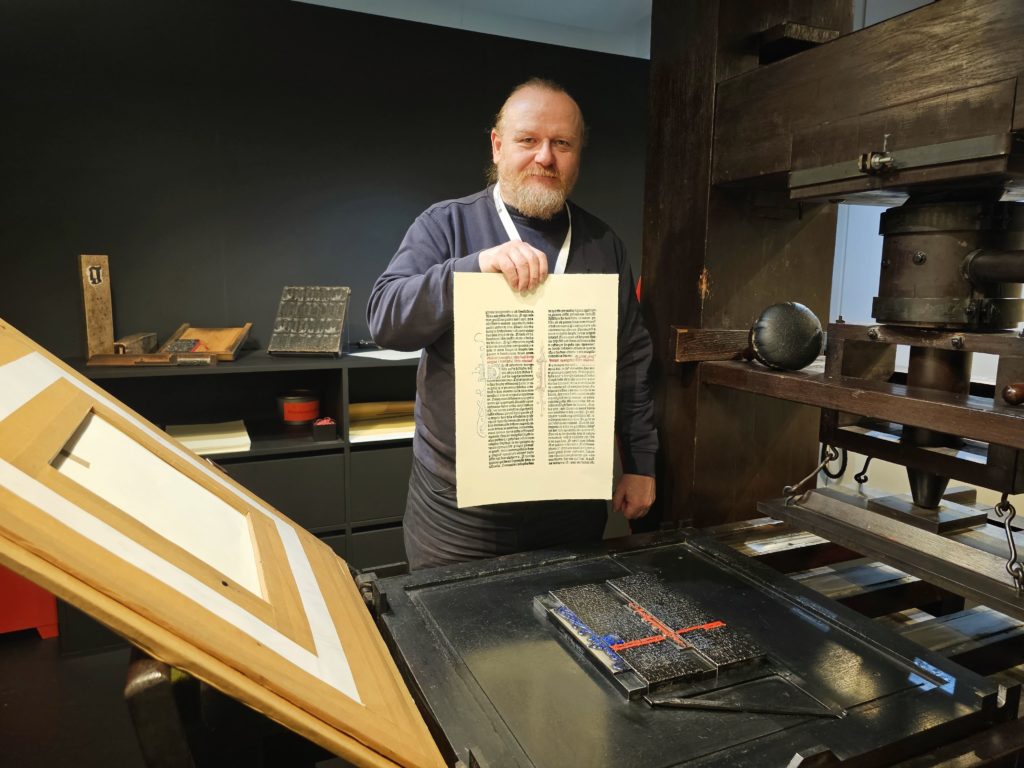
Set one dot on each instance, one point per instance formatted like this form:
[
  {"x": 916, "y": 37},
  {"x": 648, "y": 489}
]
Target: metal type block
[
  {"x": 675, "y": 608},
  {"x": 726, "y": 649},
  {"x": 637, "y": 624},
  {"x": 661, "y": 664},
  {"x": 310, "y": 320}
]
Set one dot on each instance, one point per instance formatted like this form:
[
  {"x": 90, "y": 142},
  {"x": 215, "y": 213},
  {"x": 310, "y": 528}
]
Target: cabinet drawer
[
  {"x": 379, "y": 483},
  {"x": 308, "y": 489},
  {"x": 369, "y": 549}
]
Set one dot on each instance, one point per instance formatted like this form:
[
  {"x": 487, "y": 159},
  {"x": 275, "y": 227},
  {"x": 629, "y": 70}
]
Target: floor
[
  {"x": 57, "y": 711},
  {"x": 66, "y": 710}
]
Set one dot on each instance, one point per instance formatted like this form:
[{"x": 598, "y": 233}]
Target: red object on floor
[{"x": 23, "y": 605}]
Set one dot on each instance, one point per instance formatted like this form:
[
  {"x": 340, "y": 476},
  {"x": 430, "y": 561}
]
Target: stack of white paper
[{"x": 206, "y": 439}]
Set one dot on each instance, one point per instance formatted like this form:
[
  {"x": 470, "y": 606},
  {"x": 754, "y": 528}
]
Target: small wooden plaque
[
  {"x": 99, "y": 314},
  {"x": 222, "y": 342}
]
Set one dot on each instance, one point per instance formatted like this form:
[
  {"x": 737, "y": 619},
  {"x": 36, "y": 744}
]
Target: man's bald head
[
  {"x": 544, "y": 85},
  {"x": 535, "y": 147}
]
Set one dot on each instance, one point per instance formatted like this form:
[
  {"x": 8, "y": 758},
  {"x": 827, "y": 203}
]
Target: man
[{"x": 524, "y": 228}]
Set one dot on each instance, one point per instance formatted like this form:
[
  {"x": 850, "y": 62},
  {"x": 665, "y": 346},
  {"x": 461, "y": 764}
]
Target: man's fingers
[
  {"x": 635, "y": 513},
  {"x": 509, "y": 269},
  {"x": 631, "y": 510},
  {"x": 522, "y": 261},
  {"x": 534, "y": 275},
  {"x": 527, "y": 260},
  {"x": 619, "y": 499},
  {"x": 523, "y": 266}
]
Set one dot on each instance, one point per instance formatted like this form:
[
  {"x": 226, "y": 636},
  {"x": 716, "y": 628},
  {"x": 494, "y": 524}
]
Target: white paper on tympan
[{"x": 534, "y": 388}]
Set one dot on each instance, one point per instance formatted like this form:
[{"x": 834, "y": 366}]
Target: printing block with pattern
[{"x": 635, "y": 624}]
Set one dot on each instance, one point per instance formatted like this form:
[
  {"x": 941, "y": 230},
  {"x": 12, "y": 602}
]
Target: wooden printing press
[{"x": 755, "y": 133}]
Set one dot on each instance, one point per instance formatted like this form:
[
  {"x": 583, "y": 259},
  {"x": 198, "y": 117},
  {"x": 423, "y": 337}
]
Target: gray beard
[{"x": 533, "y": 200}]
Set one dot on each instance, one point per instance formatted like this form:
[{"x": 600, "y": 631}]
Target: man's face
[{"x": 536, "y": 150}]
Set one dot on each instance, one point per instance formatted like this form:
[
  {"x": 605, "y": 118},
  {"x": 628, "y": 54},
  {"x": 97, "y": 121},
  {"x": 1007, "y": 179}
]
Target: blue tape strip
[{"x": 600, "y": 643}]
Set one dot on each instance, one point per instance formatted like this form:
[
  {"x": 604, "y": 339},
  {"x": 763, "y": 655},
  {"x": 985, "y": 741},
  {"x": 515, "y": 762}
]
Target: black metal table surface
[{"x": 503, "y": 685}]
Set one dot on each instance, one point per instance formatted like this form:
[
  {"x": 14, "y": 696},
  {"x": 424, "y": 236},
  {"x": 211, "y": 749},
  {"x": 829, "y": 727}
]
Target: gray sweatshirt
[{"x": 410, "y": 308}]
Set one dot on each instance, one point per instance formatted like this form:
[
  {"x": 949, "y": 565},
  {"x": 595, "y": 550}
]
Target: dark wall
[{"x": 217, "y": 150}]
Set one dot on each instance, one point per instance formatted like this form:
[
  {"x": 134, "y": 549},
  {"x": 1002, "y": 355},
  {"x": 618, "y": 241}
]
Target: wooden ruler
[{"x": 99, "y": 316}]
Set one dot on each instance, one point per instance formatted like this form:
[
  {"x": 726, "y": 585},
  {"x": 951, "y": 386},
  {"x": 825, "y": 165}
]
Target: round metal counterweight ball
[
  {"x": 1013, "y": 394},
  {"x": 786, "y": 336}
]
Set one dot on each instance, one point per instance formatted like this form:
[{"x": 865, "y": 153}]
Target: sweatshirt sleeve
[
  {"x": 410, "y": 305},
  {"x": 634, "y": 409}
]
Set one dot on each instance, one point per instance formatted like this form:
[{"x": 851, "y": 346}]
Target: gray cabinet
[
  {"x": 350, "y": 495},
  {"x": 308, "y": 489},
  {"x": 379, "y": 482},
  {"x": 374, "y": 548}
]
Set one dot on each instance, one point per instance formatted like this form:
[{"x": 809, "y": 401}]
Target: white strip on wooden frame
[{"x": 113, "y": 515}]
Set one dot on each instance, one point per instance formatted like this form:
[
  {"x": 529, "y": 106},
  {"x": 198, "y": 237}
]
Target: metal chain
[
  {"x": 862, "y": 476},
  {"x": 793, "y": 492},
  {"x": 1013, "y": 565}
]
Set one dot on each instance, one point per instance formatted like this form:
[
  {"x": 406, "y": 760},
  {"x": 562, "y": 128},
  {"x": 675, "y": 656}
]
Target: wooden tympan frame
[{"x": 304, "y": 651}]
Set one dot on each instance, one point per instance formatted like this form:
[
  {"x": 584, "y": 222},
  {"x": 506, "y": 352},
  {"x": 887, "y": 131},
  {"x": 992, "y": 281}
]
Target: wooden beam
[
  {"x": 955, "y": 564},
  {"x": 684, "y": 41},
  {"x": 908, "y": 58},
  {"x": 715, "y": 258},
  {"x": 694, "y": 345},
  {"x": 964, "y": 415}
]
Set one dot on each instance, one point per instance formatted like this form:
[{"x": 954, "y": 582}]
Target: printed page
[{"x": 534, "y": 388}]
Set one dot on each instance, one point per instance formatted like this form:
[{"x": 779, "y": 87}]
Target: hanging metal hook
[
  {"x": 862, "y": 476},
  {"x": 1013, "y": 565}
]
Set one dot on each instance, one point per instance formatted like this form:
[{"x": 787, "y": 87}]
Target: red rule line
[{"x": 660, "y": 626}]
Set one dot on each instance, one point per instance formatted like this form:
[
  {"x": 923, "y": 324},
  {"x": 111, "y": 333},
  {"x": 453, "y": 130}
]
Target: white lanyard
[{"x": 513, "y": 233}]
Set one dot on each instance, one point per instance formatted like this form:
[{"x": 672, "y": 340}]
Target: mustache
[{"x": 539, "y": 173}]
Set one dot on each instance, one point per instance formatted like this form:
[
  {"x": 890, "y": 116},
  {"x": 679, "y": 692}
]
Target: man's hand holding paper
[{"x": 523, "y": 266}]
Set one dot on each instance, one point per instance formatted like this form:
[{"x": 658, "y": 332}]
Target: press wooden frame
[{"x": 384, "y": 730}]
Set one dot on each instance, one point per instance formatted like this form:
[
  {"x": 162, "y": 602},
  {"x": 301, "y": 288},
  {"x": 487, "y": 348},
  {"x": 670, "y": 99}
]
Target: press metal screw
[
  {"x": 957, "y": 342},
  {"x": 873, "y": 333},
  {"x": 920, "y": 258}
]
